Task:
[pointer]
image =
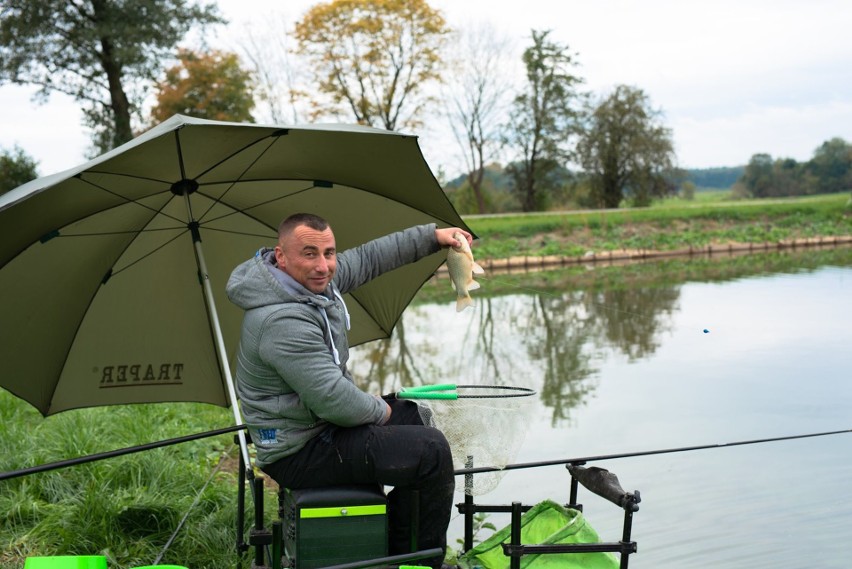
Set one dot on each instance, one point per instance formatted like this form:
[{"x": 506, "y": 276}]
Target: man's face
[{"x": 309, "y": 256}]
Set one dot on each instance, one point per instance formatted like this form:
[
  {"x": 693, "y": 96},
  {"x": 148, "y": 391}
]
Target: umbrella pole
[
  {"x": 217, "y": 332},
  {"x": 223, "y": 357}
]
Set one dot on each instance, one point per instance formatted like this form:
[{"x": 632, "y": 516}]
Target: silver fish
[{"x": 462, "y": 267}]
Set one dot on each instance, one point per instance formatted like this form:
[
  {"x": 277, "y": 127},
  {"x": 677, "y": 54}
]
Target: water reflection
[
  {"x": 621, "y": 363},
  {"x": 557, "y": 326}
]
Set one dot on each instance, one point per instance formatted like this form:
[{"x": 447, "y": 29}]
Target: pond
[{"x": 663, "y": 355}]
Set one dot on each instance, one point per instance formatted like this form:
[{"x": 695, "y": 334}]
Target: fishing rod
[
  {"x": 594, "y": 458},
  {"x": 114, "y": 453}
]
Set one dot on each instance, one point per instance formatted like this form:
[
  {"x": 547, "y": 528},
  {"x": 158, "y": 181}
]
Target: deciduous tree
[
  {"x": 757, "y": 178},
  {"x": 103, "y": 53},
  {"x": 266, "y": 46},
  {"x": 764, "y": 177},
  {"x": 832, "y": 166},
  {"x": 206, "y": 86},
  {"x": 16, "y": 168},
  {"x": 626, "y": 151},
  {"x": 477, "y": 92},
  {"x": 373, "y": 58},
  {"x": 543, "y": 118}
]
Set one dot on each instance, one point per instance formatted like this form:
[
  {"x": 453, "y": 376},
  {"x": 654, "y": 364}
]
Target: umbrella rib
[
  {"x": 236, "y": 211},
  {"x": 127, "y": 200},
  {"x": 243, "y": 233},
  {"x": 180, "y": 154},
  {"x": 232, "y": 183},
  {"x": 148, "y": 254},
  {"x": 131, "y": 232},
  {"x": 329, "y": 184}
]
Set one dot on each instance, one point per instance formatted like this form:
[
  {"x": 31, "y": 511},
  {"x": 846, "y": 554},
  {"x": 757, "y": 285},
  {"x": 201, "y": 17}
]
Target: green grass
[
  {"x": 671, "y": 225},
  {"x": 126, "y": 507}
]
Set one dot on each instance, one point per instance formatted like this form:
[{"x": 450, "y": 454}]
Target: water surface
[{"x": 665, "y": 355}]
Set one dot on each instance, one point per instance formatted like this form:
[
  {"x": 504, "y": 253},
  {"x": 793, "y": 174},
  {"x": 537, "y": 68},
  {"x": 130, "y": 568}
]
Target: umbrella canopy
[{"x": 112, "y": 274}]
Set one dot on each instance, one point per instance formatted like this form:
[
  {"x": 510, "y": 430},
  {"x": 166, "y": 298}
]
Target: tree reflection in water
[{"x": 545, "y": 330}]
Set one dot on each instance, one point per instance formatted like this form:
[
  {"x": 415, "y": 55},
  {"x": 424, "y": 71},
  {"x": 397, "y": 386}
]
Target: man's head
[{"x": 306, "y": 251}]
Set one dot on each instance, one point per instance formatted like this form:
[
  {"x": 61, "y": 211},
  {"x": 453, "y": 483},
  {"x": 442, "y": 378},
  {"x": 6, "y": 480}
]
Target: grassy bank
[
  {"x": 125, "y": 508},
  {"x": 675, "y": 224}
]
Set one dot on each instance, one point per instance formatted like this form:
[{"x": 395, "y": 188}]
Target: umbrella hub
[{"x": 184, "y": 187}]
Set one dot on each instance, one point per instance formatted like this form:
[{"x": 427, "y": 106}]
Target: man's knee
[{"x": 440, "y": 448}]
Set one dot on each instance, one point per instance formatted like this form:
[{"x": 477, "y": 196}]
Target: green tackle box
[{"x": 333, "y": 525}]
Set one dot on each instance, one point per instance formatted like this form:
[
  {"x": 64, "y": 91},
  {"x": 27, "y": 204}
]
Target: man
[{"x": 311, "y": 425}]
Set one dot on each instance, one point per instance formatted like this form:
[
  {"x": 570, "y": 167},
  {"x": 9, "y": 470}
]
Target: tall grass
[{"x": 125, "y": 508}]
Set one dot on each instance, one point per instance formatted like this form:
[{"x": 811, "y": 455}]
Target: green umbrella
[{"x": 112, "y": 274}]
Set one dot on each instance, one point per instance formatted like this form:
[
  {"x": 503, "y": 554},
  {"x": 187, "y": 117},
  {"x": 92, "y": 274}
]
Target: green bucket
[{"x": 66, "y": 562}]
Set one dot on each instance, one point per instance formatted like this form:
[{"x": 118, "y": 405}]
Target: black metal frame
[{"x": 598, "y": 481}]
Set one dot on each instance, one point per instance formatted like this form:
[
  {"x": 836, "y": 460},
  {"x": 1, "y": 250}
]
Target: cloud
[
  {"x": 780, "y": 131},
  {"x": 732, "y": 78}
]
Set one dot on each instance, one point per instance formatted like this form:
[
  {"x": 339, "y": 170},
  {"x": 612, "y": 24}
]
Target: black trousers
[{"x": 403, "y": 453}]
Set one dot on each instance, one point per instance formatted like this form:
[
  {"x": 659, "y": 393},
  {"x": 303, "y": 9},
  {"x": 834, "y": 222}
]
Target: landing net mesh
[{"x": 485, "y": 427}]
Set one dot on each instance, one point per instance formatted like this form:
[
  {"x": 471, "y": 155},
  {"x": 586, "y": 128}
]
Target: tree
[
  {"x": 207, "y": 86},
  {"x": 832, "y": 166},
  {"x": 626, "y": 151},
  {"x": 478, "y": 87},
  {"x": 265, "y": 45},
  {"x": 757, "y": 178},
  {"x": 784, "y": 177},
  {"x": 16, "y": 168},
  {"x": 373, "y": 58},
  {"x": 102, "y": 53},
  {"x": 543, "y": 119},
  {"x": 789, "y": 178}
]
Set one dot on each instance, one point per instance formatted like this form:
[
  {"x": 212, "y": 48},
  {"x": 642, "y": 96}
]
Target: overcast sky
[{"x": 732, "y": 77}]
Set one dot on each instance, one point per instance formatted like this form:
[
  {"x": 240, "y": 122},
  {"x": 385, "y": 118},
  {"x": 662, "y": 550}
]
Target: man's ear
[{"x": 279, "y": 257}]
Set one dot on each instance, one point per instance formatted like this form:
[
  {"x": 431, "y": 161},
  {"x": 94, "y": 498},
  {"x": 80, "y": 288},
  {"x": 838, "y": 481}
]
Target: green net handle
[{"x": 440, "y": 391}]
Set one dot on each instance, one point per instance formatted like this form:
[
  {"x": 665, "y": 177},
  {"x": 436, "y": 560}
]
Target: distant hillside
[
  {"x": 494, "y": 176},
  {"x": 723, "y": 177}
]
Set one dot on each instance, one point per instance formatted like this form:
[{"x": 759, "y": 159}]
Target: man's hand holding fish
[{"x": 462, "y": 267}]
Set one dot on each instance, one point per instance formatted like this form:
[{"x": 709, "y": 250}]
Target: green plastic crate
[{"x": 331, "y": 526}]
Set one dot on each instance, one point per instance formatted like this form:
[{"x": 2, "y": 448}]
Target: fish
[{"x": 462, "y": 267}]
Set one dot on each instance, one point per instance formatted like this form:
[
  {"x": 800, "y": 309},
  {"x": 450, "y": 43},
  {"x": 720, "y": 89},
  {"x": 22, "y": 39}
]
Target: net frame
[
  {"x": 485, "y": 425},
  {"x": 450, "y": 391}
]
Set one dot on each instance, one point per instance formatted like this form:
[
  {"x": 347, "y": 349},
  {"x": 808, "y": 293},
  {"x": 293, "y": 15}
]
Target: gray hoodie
[{"x": 291, "y": 374}]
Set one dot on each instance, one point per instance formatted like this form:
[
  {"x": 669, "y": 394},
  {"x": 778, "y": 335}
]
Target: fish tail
[{"x": 463, "y": 302}]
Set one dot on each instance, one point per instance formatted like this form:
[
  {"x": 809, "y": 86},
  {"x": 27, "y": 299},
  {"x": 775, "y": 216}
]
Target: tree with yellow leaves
[
  {"x": 373, "y": 59},
  {"x": 205, "y": 86}
]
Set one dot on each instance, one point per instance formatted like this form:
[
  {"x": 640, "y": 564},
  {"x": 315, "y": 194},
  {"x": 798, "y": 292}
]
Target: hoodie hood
[{"x": 259, "y": 282}]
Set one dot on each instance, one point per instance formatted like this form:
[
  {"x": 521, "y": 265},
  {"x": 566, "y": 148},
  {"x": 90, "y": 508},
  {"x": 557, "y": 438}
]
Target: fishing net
[{"x": 485, "y": 425}]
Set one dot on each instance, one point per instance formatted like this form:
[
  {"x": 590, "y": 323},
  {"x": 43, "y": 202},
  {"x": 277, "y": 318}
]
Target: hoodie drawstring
[
  {"x": 334, "y": 351},
  {"x": 345, "y": 310}
]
